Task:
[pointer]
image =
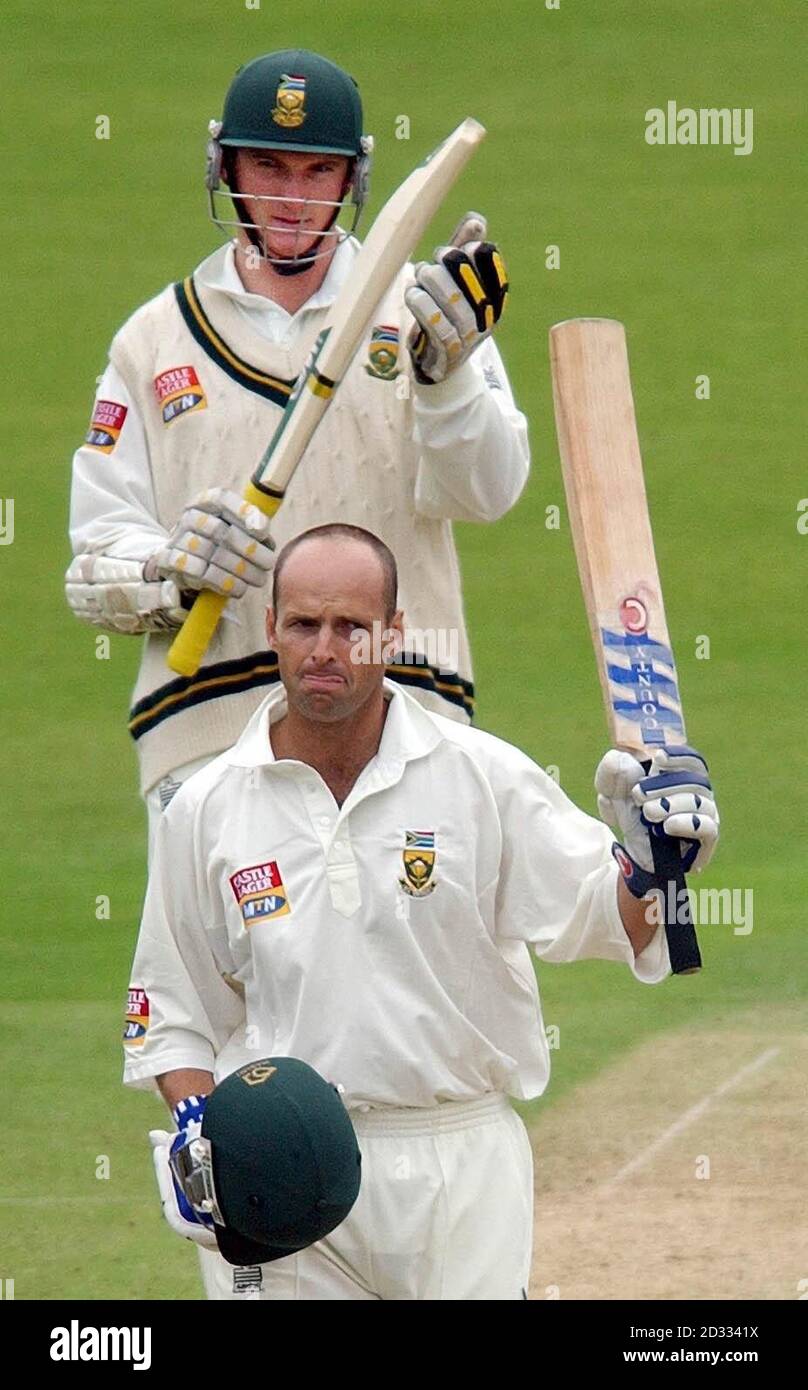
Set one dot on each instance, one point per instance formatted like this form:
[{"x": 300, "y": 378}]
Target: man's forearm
[
  {"x": 188, "y": 1081},
  {"x": 634, "y": 913}
]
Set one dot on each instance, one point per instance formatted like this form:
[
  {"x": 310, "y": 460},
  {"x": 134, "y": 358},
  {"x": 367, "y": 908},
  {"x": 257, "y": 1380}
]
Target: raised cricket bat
[
  {"x": 614, "y": 547},
  {"x": 387, "y": 246}
]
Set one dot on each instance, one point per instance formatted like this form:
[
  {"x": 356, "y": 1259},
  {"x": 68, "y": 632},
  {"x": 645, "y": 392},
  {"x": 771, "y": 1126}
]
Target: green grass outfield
[{"x": 700, "y": 253}]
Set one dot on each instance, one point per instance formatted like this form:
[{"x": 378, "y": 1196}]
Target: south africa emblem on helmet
[
  {"x": 290, "y": 99},
  {"x": 383, "y": 353},
  {"x": 418, "y": 857}
]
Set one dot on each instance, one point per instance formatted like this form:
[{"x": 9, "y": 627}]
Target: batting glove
[
  {"x": 670, "y": 799},
  {"x": 114, "y": 594},
  {"x": 220, "y": 542},
  {"x": 456, "y": 300},
  {"x": 188, "y": 1218}
]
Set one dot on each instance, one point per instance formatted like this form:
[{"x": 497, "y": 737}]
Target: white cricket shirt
[{"x": 385, "y": 942}]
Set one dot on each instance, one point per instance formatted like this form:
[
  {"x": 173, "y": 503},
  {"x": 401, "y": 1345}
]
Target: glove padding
[
  {"x": 220, "y": 542},
  {"x": 673, "y": 800},
  {"x": 456, "y": 300},
  {"x": 187, "y": 1220},
  {"x": 114, "y": 594}
]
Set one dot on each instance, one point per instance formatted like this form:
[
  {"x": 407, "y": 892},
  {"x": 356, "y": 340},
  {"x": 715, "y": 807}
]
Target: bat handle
[
  {"x": 191, "y": 642},
  {"x": 682, "y": 944}
]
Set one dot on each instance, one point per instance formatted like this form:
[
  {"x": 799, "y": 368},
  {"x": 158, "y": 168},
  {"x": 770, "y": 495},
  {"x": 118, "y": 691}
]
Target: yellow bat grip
[{"x": 193, "y": 639}]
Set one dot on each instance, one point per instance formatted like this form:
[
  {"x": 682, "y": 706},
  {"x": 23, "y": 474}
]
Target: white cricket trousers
[{"x": 445, "y": 1212}]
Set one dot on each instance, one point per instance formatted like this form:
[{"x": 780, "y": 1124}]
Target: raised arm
[{"x": 472, "y": 439}]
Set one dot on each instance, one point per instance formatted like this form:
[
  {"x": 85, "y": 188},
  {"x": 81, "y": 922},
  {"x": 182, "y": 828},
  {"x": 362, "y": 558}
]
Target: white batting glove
[
  {"x": 189, "y": 1223},
  {"x": 113, "y": 594},
  {"x": 674, "y": 800},
  {"x": 456, "y": 300},
  {"x": 220, "y": 542}
]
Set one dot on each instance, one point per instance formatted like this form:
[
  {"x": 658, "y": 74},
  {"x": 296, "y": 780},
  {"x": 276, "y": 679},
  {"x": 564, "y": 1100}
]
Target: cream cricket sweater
[{"x": 207, "y": 390}]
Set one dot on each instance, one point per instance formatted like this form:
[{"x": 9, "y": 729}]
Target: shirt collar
[
  {"x": 409, "y": 731},
  {"x": 218, "y": 272}
]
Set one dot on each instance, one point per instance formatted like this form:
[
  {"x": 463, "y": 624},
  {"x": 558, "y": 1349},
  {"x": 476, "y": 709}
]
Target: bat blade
[
  {"x": 611, "y": 528},
  {"x": 614, "y": 547},
  {"x": 388, "y": 245}
]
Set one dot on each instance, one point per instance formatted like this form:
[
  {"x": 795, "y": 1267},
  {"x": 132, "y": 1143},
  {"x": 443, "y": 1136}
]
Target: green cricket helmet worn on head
[
  {"x": 293, "y": 101},
  {"x": 280, "y": 1164}
]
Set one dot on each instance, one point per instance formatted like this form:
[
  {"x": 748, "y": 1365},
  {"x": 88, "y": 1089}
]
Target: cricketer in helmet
[
  {"x": 197, "y": 377},
  {"x": 289, "y": 150}
]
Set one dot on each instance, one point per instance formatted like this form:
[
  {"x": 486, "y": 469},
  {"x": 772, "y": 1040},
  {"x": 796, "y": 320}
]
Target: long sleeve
[
  {"x": 188, "y": 1009},
  {"x": 474, "y": 453},
  {"x": 112, "y": 506},
  {"x": 558, "y": 883}
]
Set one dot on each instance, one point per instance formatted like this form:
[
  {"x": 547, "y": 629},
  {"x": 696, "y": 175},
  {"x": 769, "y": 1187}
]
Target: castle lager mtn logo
[
  {"x": 260, "y": 893},
  {"x": 290, "y": 101},
  {"x": 178, "y": 390},
  {"x": 137, "y": 1017},
  {"x": 106, "y": 425}
]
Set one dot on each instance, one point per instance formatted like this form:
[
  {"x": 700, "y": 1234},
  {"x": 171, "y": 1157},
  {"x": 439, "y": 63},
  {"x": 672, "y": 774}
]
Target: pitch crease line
[{"x": 694, "y": 1113}]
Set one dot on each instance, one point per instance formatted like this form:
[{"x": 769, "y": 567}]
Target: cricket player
[
  {"x": 423, "y": 429},
  {"x": 359, "y": 883}
]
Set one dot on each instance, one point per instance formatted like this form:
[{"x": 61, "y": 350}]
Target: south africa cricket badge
[
  {"x": 418, "y": 861},
  {"x": 383, "y": 353},
  {"x": 290, "y": 101}
]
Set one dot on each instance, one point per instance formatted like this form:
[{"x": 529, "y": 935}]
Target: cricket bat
[
  {"x": 388, "y": 245},
  {"x": 614, "y": 547}
]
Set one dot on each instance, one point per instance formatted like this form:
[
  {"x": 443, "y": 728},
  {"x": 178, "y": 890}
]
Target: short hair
[{"x": 340, "y": 530}]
